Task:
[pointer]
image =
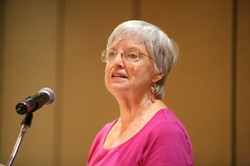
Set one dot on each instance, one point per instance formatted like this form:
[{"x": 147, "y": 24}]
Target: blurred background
[{"x": 57, "y": 43}]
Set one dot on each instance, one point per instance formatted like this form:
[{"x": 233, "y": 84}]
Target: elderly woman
[{"x": 138, "y": 59}]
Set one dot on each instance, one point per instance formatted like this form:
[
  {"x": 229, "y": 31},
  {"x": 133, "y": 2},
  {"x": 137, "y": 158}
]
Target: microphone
[{"x": 32, "y": 103}]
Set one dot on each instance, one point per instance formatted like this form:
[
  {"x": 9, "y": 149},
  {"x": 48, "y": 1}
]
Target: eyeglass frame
[{"x": 123, "y": 55}]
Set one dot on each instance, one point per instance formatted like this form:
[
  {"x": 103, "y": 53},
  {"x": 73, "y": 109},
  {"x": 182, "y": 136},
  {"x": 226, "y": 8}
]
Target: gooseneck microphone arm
[{"x": 26, "y": 123}]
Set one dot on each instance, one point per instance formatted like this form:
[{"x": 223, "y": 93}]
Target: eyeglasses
[{"x": 130, "y": 55}]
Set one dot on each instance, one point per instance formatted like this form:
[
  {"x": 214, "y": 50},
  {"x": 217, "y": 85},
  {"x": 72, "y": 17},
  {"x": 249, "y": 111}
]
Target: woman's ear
[{"x": 158, "y": 77}]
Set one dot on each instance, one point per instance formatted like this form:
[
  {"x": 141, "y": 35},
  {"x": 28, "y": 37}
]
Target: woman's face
[{"x": 123, "y": 77}]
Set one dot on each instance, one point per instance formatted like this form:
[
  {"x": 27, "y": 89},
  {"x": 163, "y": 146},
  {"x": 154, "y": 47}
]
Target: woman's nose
[{"x": 119, "y": 61}]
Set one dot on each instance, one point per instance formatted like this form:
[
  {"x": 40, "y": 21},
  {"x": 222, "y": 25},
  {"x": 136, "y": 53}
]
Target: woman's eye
[
  {"x": 111, "y": 53},
  {"x": 133, "y": 56}
]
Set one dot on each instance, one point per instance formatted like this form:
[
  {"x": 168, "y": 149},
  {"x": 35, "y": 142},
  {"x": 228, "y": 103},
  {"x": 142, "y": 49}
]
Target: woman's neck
[{"x": 138, "y": 110}]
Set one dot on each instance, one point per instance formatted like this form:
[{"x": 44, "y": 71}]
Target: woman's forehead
[{"x": 128, "y": 41}]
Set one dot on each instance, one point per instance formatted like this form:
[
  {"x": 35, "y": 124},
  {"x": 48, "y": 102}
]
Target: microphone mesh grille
[{"x": 50, "y": 93}]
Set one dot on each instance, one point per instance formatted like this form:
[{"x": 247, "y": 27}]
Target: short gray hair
[{"x": 163, "y": 50}]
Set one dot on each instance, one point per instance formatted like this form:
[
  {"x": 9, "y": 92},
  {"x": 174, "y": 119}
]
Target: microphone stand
[{"x": 26, "y": 123}]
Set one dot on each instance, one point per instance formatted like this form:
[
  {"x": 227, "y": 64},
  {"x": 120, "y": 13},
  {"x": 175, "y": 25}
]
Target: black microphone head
[{"x": 50, "y": 93}]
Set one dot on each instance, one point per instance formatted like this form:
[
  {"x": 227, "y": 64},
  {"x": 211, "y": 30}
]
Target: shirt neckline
[{"x": 132, "y": 137}]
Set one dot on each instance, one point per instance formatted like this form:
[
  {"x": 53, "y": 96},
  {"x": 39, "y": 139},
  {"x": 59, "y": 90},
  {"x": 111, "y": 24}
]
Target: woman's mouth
[{"x": 119, "y": 75}]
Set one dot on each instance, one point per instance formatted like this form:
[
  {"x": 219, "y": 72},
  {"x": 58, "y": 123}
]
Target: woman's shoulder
[
  {"x": 165, "y": 116},
  {"x": 166, "y": 134},
  {"x": 165, "y": 122}
]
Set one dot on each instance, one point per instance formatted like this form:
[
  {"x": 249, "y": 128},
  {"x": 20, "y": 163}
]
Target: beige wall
[
  {"x": 243, "y": 84},
  {"x": 57, "y": 43}
]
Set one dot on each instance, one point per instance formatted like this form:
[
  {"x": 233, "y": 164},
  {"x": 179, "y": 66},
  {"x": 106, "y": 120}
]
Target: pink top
[{"x": 162, "y": 141}]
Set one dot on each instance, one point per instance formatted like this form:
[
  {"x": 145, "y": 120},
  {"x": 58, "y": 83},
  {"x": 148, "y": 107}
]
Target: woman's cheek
[{"x": 106, "y": 75}]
